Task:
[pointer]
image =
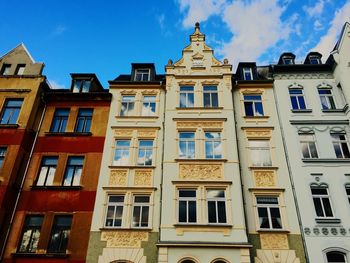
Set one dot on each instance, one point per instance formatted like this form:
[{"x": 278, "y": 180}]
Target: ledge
[
  {"x": 328, "y": 220},
  {"x": 209, "y": 182},
  {"x": 256, "y": 117},
  {"x": 200, "y": 160},
  {"x": 326, "y": 160},
  {"x": 144, "y": 188},
  {"x": 131, "y": 167},
  {"x": 125, "y": 229},
  {"x": 56, "y": 187},
  {"x": 9, "y": 126},
  {"x": 263, "y": 167},
  {"x": 320, "y": 122},
  {"x": 136, "y": 117},
  {"x": 201, "y": 244},
  {"x": 282, "y": 231},
  {"x": 200, "y": 108},
  {"x": 301, "y": 110},
  {"x": 36, "y": 255},
  {"x": 68, "y": 134},
  {"x": 266, "y": 189},
  {"x": 336, "y": 110},
  {"x": 184, "y": 225}
]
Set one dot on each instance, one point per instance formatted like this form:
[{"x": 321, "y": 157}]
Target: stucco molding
[
  {"x": 193, "y": 171},
  {"x": 124, "y": 238}
]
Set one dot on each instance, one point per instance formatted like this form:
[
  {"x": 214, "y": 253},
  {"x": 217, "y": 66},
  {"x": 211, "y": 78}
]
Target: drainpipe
[
  {"x": 290, "y": 176},
  {"x": 23, "y": 178}
]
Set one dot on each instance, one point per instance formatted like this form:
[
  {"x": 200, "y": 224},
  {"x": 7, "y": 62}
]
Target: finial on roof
[{"x": 197, "y": 25}]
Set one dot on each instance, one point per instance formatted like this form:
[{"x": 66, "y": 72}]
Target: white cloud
[
  {"x": 318, "y": 25},
  {"x": 328, "y": 41},
  {"x": 199, "y": 10},
  {"x": 315, "y": 10},
  {"x": 56, "y": 85},
  {"x": 59, "y": 30}
]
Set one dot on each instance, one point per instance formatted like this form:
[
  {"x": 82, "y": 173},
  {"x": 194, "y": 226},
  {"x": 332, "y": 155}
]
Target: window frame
[
  {"x": 249, "y": 71},
  {"x": 341, "y": 144},
  {"x": 13, "y": 110},
  {"x": 146, "y": 150},
  {"x": 321, "y": 197},
  {"x": 143, "y": 206},
  {"x": 260, "y": 153},
  {"x": 268, "y": 207},
  {"x": 62, "y": 120},
  {"x": 298, "y": 98},
  {"x": 5, "y": 69},
  {"x": 328, "y": 99},
  {"x": 86, "y": 119},
  {"x": 187, "y": 200},
  {"x": 56, "y": 228},
  {"x": 50, "y": 166},
  {"x": 150, "y": 103},
  {"x": 137, "y": 72},
  {"x": 77, "y": 171},
  {"x": 27, "y": 227},
  {"x": 126, "y": 109},
  {"x": 207, "y": 92},
  {"x": 253, "y": 104},
  {"x": 83, "y": 87},
  {"x": 187, "y": 97},
  {"x": 338, "y": 251},
  {"x": 115, "y": 205},
  {"x": 309, "y": 144},
  {"x": 216, "y": 200},
  {"x": 3, "y": 152},
  {"x": 210, "y": 143},
  {"x": 123, "y": 149},
  {"x": 314, "y": 58},
  {"x": 288, "y": 59},
  {"x": 19, "y": 71},
  {"x": 188, "y": 142},
  {"x": 347, "y": 191}
]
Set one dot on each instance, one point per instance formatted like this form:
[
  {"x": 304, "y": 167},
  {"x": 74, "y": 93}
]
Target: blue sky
[{"x": 104, "y": 37}]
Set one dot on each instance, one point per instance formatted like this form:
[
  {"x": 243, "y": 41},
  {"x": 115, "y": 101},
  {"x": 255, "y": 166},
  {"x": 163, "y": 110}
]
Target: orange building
[{"x": 53, "y": 217}]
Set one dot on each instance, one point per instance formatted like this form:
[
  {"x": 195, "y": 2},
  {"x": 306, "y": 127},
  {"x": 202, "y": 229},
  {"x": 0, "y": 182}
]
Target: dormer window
[
  {"x": 20, "y": 69},
  {"x": 81, "y": 85},
  {"x": 142, "y": 74},
  {"x": 5, "y": 70},
  {"x": 314, "y": 60},
  {"x": 247, "y": 74},
  {"x": 288, "y": 60}
]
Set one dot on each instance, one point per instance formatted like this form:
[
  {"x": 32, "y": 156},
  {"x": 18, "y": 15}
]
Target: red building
[{"x": 53, "y": 217}]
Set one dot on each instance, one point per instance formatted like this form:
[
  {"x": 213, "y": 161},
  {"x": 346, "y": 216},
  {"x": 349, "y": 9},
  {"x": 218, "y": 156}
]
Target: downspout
[
  {"x": 290, "y": 176},
  {"x": 23, "y": 178}
]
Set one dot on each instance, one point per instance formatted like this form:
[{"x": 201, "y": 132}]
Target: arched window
[
  {"x": 219, "y": 261},
  {"x": 336, "y": 257},
  {"x": 187, "y": 260}
]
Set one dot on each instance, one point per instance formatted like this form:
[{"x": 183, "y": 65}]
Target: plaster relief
[
  {"x": 264, "y": 178},
  {"x": 274, "y": 241},
  {"x": 258, "y": 133},
  {"x": 143, "y": 177},
  {"x": 118, "y": 177},
  {"x": 201, "y": 171},
  {"x": 200, "y": 124},
  {"x": 145, "y": 133},
  {"x": 123, "y": 133},
  {"x": 124, "y": 238},
  {"x": 276, "y": 256}
]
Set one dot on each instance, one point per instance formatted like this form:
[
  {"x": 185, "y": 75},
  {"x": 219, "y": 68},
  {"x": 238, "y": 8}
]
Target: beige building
[{"x": 202, "y": 217}]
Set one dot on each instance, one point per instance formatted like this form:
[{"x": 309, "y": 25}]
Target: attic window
[
  {"x": 247, "y": 74},
  {"x": 288, "y": 60},
  {"x": 20, "y": 69},
  {"x": 314, "y": 60},
  {"x": 81, "y": 85},
  {"x": 142, "y": 74},
  {"x": 5, "y": 70}
]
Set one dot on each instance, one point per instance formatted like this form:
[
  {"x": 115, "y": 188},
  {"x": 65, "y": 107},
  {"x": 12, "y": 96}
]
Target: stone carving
[
  {"x": 123, "y": 238},
  {"x": 149, "y": 92},
  {"x": 307, "y": 230},
  {"x": 274, "y": 241},
  {"x": 199, "y": 124},
  {"x": 201, "y": 171},
  {"x": 264, "y": 178},
  {"x": 316, "y": 231},
  {"x": 325, "y": 231},
  {"x": 143, "y": 177},
  {"x": 118, "y": 177},
  {"x": 334, "y": 231},
  {"x": 123, "y": 133},
  {"x": 145, "y": 133},
  {"x": 258, "y": 133},
  {"x": 342, "y": 231}
]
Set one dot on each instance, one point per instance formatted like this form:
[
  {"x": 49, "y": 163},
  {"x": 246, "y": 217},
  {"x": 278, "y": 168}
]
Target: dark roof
[
  {"x": 259, "y": 73},
  {"x": 301, "y": 68},
  {"x": 128, "y": 78},
  {"x": 316, "y": 54},
  {"x": 285, "y": 54}
]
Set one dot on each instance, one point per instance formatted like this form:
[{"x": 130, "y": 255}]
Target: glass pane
[
  {"x": 305, "y": 150},
  {"x": 182, "y": 211},
  {"x": 319, "y": 191},
  {"x": 211, "y": 212},
  {"x": 275, "y": 217},
  {"x": 266, "y": 200},
  {"x": 190, "y": 100},
  {"x": 110, "y": 216},
  {"x": 187, "y": 193},
  {"x": 222, "y": 212},
  {"x": 116, "y": 198},
  {"x": 77, "y": 176},
  {"x": 14, "y": 103},
  {"x": 77, "y": 84},
  {"x": 214, "y": 100},
  {"x": 301, "y": 102},
  {"x": 141, "y": 199},
  {"x": 318, "y": 207},
  {"x": 259, "y": 109},
  {"x": 183, "y": 102},
  {"x": 144, "y": 218},
  {"x": 75, "y": 160},
  {"x": 86, "y": 86},
  {"x": 248, "y": 106},
  {"x": 345, "y": 149},
  {"x": 68, "y": 176},
  {"x": 136, "y": 216},
  {"x": 50, "y": 176},
  {"x": 335, "y": 257},
  {"x": 327, "y": 207},
  {"x": 215, "y": 193},
  {"x": 313, "y": 150},
  {"x": 295, "y": 91},
  {"x": 192, "y": 213},
  {"x": 210, "y": 88},
  {"x": 206, "y": 98},
  {"x": 263, "y": 218}
]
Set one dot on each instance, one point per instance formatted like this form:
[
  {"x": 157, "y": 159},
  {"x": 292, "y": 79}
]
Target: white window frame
[
  {"x": 249, "y": 71},
  {"x": 297, "y": 97},
  {"x": 328, "y": 99},
  {"x": 148, "y": 100},
  {"x": 145, "y": 150},
  {"x": 142, "y": 206},
  {"x": 127, "y": 111},
  {"x": 187, "y": 100},
  {"x": 260, "y": 150},
  {"x": 138, "y": 72},
  {"x": 187, "y": 200},
  {"x": 210, "y": 94},
  {"x": 254, "y": 106},
  {"x": 339, "y": 142},
  {"x": 308, "y": 143},
  {"x": 336, "y": 250},
  {"x": 268, "y": 208},
  {"x": 3, "y": 151},
  {"x": 123, "y": 149},
  {"x": 212, "y": 142},
  {"x": 187, "y": 142},
  {"x": 216, "y": 200},
  {"x": 320, "y": 197},
  {"x": 115, "y": 205}
]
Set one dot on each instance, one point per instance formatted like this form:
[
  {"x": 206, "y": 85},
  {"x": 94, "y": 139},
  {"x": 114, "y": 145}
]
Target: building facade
[
  {"x": 21, "y": 83},
  {"x": 53, "y": 216},
  {"x": 125, "y": 226},
  {"x": 315, "y": 124}
]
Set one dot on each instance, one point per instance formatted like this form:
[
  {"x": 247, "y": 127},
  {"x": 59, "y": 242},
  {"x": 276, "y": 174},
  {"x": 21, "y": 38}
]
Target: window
[
  {"x": 268, "y": 212},
  {"x": 260, "y": 152},
  {"x": 59, "y": 121},
  {"x": 145, "y": 152},
  {"x": 115, "y": 211},
  {"x": 347, "y": 189},
  {"x": 10, "y": 111},
  {"x": 187, "y": 261},
  {"x": 288, "y": 60},
  {"x": 340, "y": 144},
  {"x": 213, "y": 145},
  {"x": 297, "y": 99},
  {"x": 2, "y": 155},
  {"x": 140, "y": 211},
  {"x": 81, "y": 85},
  {"x": 142, "y": 75},
  {"x": 314, "y": 60},
  {"x": 5, "y": 70},
  {"x": 187, "y": 206},
  {"x": 308, "y": 145},
  {"x": 60, "y": 234},
  {"x": 122, "y": 152},
  {"x": 30, "y": 234},
  {"x": 47, "y": 171},
  {"x": 253, "y": 105},
  {"x": 187, "y": 145},
  {"x": 127, "y": 107},
  {"x": 149, "y": 106},
  {"x": 247, "y": 74},
  {"x": 326, "y": 98},
  {"x": 73, "y": 172},
  {"x": 335, "y": 257},
  {"x": 186, "y": 97},
  {"x": 216, "y": 206},
  {"x": 20, "y": 69},
  {"x": 321, "y": 201},
  {"x": 84, "y": 120},
  {"x": 210, "y": 96}
]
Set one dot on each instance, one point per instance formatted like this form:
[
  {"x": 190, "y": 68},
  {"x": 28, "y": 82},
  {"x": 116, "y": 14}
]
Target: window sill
[
  {"x": 301, "y": 110},
  {"x": 136, "y": 117},
  {"x": 125, "y": 229},
  {"x": 200, "y": 108},
  {"x": 328, "y": 220},
  {"x": 326, "y": 160},
  {"x": 56, "y": 187},
  {"x": 336, "y": 110},
  {"x": 37, "y": 255},
  {"x": 282, "y": 231},
  {"x": 200, "y": 160},
  {"x": 132, "y": 166},
  {"x": 263, "y": 167},
  {"x": 256, "y": 117},
  {"x": 202, "y": 225},
  {"x": 9, "y": 126},
  {"x": 70, "y": 134}
]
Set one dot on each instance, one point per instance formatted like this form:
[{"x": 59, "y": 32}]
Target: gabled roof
[
  {"x": 341, "y": 38},
  {"x": 20, "y": 46}
]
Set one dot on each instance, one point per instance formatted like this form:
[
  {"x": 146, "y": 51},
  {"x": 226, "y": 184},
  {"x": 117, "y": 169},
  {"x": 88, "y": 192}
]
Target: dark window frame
[
  {"x": 49, "y": 167},
  {"x": 13, "y": 110},
  {"x": 86, "y": 120},
  {"x": 33, "y": 228},
  {"x": 61, "y": 119},
  {"x": 63, "y": 232},
  {"x": 76, "y": 168}
]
